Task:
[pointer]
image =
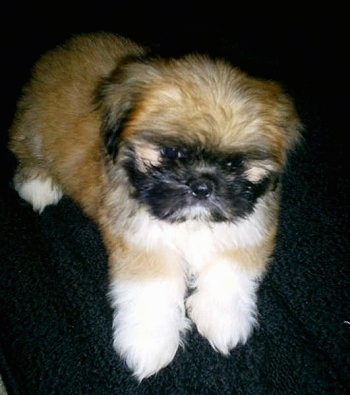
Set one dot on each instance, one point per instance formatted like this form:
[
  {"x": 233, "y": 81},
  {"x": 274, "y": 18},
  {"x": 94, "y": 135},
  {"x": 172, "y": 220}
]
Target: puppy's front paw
[
  {"x": 148, "y": 324},
  {"x": 223, "y": 323},
  {"x": 224, "y": 310}
]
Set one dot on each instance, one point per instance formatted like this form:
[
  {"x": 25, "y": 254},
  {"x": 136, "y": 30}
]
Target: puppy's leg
[
  {"x": 223, "y": 304},
  {"x": 32, "y": 180},
  {"x": 37, "y": 188},
  {"x": 149, "y": 322}
]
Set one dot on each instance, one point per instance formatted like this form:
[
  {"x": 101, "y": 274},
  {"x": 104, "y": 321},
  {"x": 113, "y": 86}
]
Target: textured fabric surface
[{"x": 56, "y": 322}]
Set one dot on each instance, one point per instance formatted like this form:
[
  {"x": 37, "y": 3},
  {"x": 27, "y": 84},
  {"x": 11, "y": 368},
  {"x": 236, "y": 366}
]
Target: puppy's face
[{"x": 196, "y": 138}]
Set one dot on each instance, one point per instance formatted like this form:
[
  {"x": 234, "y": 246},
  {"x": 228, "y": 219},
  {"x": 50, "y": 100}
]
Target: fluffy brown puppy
[{"x": 179, "y": 163}]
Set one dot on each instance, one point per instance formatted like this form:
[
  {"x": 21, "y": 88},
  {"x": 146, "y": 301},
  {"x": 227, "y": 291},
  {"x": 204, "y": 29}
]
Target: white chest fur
[{"x": 198, "y": 241}]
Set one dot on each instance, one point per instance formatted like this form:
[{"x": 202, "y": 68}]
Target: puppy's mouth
[{"x": 200, "y": 202}]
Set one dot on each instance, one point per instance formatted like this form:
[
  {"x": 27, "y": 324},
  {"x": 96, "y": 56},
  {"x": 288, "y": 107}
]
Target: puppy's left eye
[{"x": 172, "y": 153}]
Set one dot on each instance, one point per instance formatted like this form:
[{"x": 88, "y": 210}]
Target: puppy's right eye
[
  {"x": 234, "y": 162},
  {"x": 170, "y": 152}
]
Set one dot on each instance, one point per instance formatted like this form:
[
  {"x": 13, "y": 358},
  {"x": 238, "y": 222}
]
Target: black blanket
[{"x": 55, "y": 319}]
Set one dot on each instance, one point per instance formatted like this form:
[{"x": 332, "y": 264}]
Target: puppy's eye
[
  {"x": 234, "y": 162},
  {"x": 171, "y": 152}
]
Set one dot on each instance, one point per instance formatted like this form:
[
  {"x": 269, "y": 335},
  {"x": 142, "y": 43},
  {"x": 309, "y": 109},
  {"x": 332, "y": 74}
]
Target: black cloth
[{"x": 56, "y": 322}]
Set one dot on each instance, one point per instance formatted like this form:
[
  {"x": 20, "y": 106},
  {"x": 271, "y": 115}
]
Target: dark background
[{"x": 55, "y": 322}]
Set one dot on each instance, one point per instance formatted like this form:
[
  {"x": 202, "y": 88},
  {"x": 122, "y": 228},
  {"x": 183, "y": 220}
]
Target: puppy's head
[{"x": 196, "y": 138}]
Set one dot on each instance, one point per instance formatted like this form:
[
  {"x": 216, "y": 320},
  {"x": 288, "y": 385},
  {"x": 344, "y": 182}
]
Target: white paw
[
  {"x": 39, "y": 192},
  {"x": 148, "y": 324},
  {"x": 224, "y": 309},
  {"x": 223, "y": 323}
]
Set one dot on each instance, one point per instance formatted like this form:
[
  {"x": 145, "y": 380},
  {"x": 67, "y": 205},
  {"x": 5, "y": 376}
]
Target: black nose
[{"x": 201, "y": 188}]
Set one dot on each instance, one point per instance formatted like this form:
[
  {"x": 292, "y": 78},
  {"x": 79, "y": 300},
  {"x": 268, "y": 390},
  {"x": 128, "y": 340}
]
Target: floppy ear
[
  {"x": 115, "y": 101},
  {"x": 112, "y": 129},
  {"x": 291, "y": 123},
  {"x": 285, "y": 131},
  {"x": 116, "y": 97}
]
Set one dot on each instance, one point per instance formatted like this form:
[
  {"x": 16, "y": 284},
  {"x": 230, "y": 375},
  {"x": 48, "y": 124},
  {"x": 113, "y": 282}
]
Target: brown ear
[
  {"x": 112, "y": 130},
  {"x": 117, "y": 95},
  {"x": 287, "y": 126},
  {"x": 293, "y": 126}
]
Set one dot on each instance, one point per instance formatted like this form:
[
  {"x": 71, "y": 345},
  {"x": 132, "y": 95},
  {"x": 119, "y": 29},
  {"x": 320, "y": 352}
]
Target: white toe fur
[
  {"x": 223, "y": 306},
  {"x": 149, "y": 323},
  {"x": 39, "y": 192}
]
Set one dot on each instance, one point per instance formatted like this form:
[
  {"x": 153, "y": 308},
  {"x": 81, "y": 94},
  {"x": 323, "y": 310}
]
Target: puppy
[{"x": 179, "y": 163}]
